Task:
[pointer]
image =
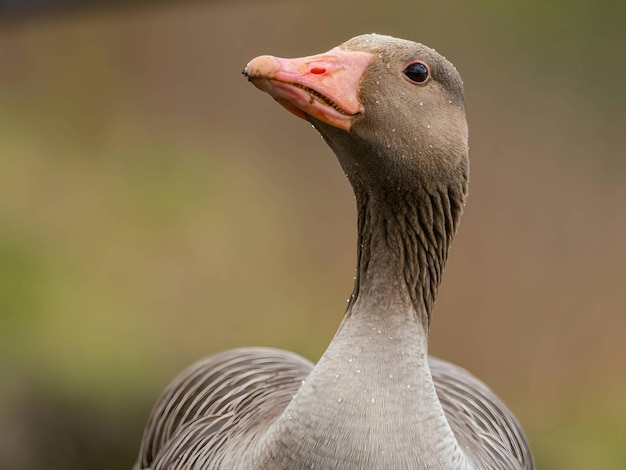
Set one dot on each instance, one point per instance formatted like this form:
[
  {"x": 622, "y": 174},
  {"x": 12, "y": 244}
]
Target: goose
[{"x": 393, "y": 112}]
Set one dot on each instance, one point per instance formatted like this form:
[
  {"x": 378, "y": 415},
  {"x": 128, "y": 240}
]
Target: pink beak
[{"x": 324, "y": 86}]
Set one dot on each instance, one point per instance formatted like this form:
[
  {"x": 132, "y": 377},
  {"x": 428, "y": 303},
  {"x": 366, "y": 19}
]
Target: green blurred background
[{"x": 155, "y": 208}]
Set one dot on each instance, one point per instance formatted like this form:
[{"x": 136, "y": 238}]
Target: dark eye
[{"x": 417, "y": 72}]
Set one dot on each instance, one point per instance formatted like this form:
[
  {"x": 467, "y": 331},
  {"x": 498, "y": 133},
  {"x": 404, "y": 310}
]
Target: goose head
[{"x": 392, "y": 110}]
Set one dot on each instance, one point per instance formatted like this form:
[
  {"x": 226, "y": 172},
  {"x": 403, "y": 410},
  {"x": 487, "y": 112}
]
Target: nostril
[{"x": 318, "y": 70}]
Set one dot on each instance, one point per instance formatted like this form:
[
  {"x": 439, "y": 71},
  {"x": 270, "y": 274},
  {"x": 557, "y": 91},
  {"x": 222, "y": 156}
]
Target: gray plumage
[{"x": 374, "y": 400}]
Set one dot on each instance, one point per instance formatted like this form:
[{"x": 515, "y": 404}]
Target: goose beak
[{"x": 324, "y": 86}]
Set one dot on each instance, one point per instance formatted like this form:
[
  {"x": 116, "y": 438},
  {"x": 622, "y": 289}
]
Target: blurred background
[{"x": 156, "y": 208}]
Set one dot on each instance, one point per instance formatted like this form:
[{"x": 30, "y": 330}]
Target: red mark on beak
[{"x": 318, "y": 70}]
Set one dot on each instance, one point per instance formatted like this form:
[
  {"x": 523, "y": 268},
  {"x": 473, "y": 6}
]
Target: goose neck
[{"x": 402, "y": 249}]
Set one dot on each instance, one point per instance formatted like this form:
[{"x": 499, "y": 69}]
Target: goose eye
[{"x": 417, "y": 72}]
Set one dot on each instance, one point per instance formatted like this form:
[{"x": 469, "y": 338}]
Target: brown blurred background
[{"x": 155, "y": 208}]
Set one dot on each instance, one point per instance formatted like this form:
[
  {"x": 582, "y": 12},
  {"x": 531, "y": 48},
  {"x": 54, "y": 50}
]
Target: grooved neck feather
[{"x": 403, "y": 246}]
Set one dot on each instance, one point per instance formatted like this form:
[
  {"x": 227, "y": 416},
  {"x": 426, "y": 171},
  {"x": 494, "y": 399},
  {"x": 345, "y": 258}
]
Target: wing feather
[
  {"x": 481, "y": 422},
  {"x": 236, "y": 392}
]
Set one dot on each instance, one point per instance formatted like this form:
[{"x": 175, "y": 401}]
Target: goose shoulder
[
  {"x": 481, "y": 422},
  {"x": 233, "y": 394}
]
